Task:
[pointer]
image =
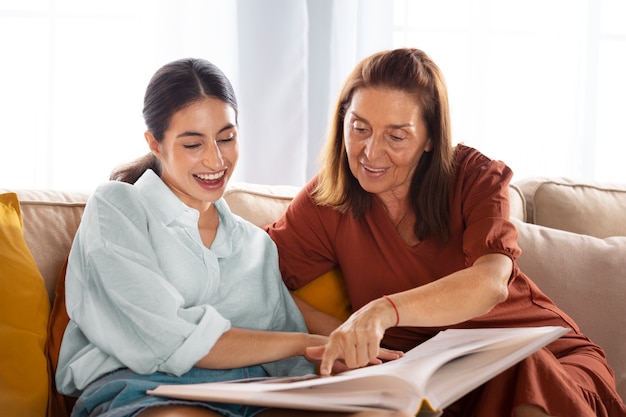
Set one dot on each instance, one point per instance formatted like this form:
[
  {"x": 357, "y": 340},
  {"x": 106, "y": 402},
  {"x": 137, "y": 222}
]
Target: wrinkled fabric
[
  {"x": 123, "y": 393},
  {"x": 570, "y": 386},
  {"x": 144, "y": 293}
]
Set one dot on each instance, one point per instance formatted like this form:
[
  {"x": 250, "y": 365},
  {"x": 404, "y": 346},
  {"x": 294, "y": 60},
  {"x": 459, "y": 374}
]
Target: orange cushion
[
  {"x": 328, "y": 293},
  {"x": 24, "y": 310},
  {"x": 59, "y": 405}
]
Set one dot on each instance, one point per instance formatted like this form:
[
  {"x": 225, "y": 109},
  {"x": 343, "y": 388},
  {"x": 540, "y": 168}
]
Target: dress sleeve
[
  {"x": 483, "y": 185},
  {"x": 119, "y": 297},
  {"x": 304, "y": 237}
]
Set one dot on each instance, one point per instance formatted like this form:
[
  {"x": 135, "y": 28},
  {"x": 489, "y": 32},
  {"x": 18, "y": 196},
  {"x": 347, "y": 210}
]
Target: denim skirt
[{"x": 122, "y": 393}]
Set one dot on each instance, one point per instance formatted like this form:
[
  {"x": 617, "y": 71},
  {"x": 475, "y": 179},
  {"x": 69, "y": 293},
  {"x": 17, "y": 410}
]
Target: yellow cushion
[
  {"x": 328, "y": 293},
  {"x": 24, "y": 309}
]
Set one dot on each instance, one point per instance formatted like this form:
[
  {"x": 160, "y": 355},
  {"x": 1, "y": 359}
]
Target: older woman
[{"x": 420, "y": 230}]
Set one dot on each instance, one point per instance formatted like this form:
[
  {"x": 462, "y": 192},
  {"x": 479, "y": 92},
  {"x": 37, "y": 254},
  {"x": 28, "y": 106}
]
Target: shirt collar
[
  {"x": 169, "y": 208},
  {"x": 163, "y": 201}
]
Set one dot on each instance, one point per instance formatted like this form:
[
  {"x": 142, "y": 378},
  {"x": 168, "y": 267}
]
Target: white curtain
[
  {"x": 293, "y": 57},
  {"x": 536, "y": 83},
  {"x": 273, "y": 89},
  {"x": 74, "y": 73}
]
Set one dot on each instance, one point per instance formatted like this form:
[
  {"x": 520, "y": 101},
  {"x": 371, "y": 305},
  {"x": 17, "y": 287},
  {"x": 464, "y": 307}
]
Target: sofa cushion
[
  {"x": 517, "y": 202},
  {"x": 50, "y": 222},
  {"x": 592, "y": 208},
  {"x": 24, "y": 309},
  {"x": 258, "y": 203},
  {"x": 586, "y": 277},
  {"x": 328, "y": 293},
  {"x": 59, "y": 405}
]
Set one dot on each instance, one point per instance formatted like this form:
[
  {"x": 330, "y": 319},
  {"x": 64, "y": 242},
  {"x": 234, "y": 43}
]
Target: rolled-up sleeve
[
  {"x": 486, "y": 209},
  {"x": 131, "y": 309},
  {"x": 127, "y": 308}
]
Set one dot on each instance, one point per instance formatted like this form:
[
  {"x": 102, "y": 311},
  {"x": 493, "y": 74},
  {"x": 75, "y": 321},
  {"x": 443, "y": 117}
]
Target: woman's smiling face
[
  {"x": 385, "y": 138},
  {"x": 199, "y": 151}
]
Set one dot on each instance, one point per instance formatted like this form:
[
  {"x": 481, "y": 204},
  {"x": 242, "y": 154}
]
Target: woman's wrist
[
  {"x": 308, "y": 340},
  {"x": 395, "y": 313}
]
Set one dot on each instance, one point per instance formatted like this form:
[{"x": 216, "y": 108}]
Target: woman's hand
[
  {"x": 357, "y": 341},
  {"x": 314, "y": 354},
  {"x": 452, "y": 299}
]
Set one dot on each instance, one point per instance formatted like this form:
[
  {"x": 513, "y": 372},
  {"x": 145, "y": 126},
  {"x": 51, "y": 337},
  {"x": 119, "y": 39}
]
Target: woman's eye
[
  {"x": 225, "y": 139},
  {"x": 191, "y": 146},
  {"x": 396, "y": 136},
  {"x": 359, "y": 127}
]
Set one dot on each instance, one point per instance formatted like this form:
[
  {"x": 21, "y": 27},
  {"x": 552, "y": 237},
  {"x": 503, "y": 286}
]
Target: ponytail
[{"x": 131, "y": 171}]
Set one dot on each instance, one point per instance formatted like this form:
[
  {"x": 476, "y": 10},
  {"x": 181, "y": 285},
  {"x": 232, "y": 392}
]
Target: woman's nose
[
  {"x": 212, "y": 157},
  {"x": 374, "y": 146}
]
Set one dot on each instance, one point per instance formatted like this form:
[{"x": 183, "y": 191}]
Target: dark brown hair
[
  {"x": 413, "y": 72},
  {"x": 173, "y": 87}
]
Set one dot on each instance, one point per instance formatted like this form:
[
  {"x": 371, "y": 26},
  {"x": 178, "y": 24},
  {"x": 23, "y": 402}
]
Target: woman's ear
[
  {"x": 153, "y": 144},
  {"x": 429, "y": 145}
]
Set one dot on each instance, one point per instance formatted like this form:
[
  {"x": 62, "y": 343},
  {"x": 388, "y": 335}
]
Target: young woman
[
  {"x": 420, "y": 230},
  {"x": 164, "y": 284}
]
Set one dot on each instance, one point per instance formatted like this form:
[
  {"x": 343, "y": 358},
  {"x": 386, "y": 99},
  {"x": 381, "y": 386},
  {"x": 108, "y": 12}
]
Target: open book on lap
[{"x": 426, "y": 379}]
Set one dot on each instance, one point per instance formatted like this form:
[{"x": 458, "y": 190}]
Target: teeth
[
  {"x": 374, "y": 169},
  {"x": 211, "y": 177}
]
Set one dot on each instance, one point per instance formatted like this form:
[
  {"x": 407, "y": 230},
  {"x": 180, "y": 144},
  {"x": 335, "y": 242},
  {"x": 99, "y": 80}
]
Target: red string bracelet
[{"x": 395, "y": 309}]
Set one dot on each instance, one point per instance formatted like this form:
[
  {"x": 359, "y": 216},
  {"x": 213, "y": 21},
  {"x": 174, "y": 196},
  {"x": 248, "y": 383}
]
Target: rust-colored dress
[{"x": 570, "y": 377}]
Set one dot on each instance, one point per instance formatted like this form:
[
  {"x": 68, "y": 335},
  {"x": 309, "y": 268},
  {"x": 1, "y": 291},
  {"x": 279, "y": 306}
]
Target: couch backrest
[
  {"x": 259, "y": 204},
  {"x": 50, "y": 219},
  {"x": 591, "y": 208}
]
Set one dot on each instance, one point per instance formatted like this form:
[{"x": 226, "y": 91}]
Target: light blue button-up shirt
[{"x": 143, "y": 292}]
